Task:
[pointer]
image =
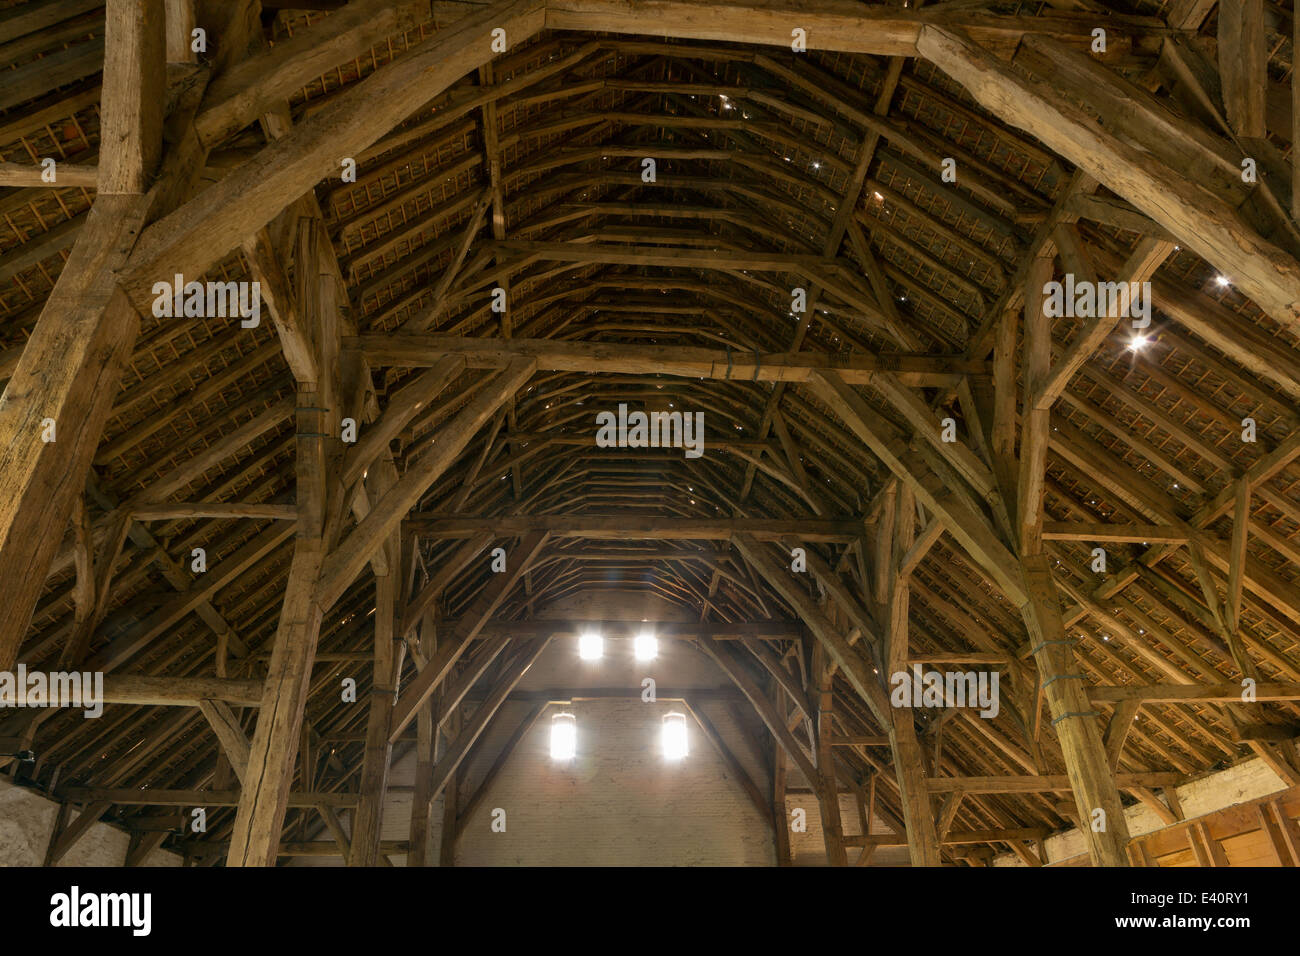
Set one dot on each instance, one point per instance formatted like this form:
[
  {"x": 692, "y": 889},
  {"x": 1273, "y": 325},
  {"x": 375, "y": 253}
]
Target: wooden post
[
  {"x": 1060, "y": 676},
  {"x": 425, "y": 758},
  {"x": 780, "y": 817},
  {"x": 374, "y": 773},
  {"x": 832, "y": 825},
  {"x": 131, "y": 105},
  {"x": 255, "y": 840}
]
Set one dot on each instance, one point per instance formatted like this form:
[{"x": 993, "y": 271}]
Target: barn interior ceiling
[{"x": 341, "y": 341}]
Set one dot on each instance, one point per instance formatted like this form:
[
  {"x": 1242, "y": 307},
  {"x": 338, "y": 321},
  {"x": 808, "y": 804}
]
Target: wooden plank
[
  {"x": 554, "y": 355},
  {"x": 172, "y": 511},
  {"x": 265, "y": 265},
  {"x": 131, "y": 104},
  {"x": 28, "y": 18},
  {"x": 180, "y": 31},
  {"x": 164, "y": 797},
  {"x": 1276, "y": 839},
  {"x": 1191, "y": 693},
  {"x": 1102, "y": 532},
  {"x": 466, "y": 810},
  {"x": 1086, "y": 761},
  {"x": 1243, "y": 65},
  {"x": 1144, "y": 261},
  {"x": 734, "y": 766},
  {"x": 635, "y": 527},
  {"x": 59, "y": 68},
  {"x": 63, "y": 841},
  {"x": 256, "y": 834},
  {"x": 822, "y": 679},
  {"x": 367, "y": 821},
  {"x": 830, "y": 24},
  {"x": 1288, "y": 829},
  {"x": 67, "y": 175},
  {"x": 764, "y": 707},
  {"x": 144, "y": 632},
  {"x": 68, "y": 372},
  {"x": 1117, "y": 730},
  {"x": 1035, "y": 428},
  {"x": 1044, "y": 783},
  {"x": 401, "y": 407},
  {"x": 446, "y": 571},
  {"x": 1237, "y": 555}
]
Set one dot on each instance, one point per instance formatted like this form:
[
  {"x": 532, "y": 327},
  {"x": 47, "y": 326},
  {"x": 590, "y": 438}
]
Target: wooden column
[
  {"x": 899, "y": 532},
  {"x": 832, "y": 825},
  {"x": 374, "y": 773},
  {"x": 780, "y": 817},
  {"x": 450, "y": 799},
  {"x": 255, "y": 840},
  {"x": 131, "y": 104},
  {"x": 1062, "y": 679},
  {"x": 425, "y": 758}
]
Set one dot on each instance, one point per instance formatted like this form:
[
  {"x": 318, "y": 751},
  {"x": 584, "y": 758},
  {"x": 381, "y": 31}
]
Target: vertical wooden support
[
  {"x": 1002, "y": 436},
  {"x": 1295, "y": 121},
  {"x": 1272, "y": 821},
  {"x": 1243, "y": 65},
  {"x": 417, "y": 853},
  {"x": 1035, "y": 429},
  {"x": 131, "y": 104},
  {"x": 450, "y": 827},
  {"x": 1073, "y": 718},
  {"x": 374, "y": 772},
  {"x": 1060, "y": 676},
  {"x": 832, "y": 825},
  {"x": 896, "y": 588},
  {"x": 899, "y": 525},
  {"x": 780, "y": 817},
  {"x": 450, "y": 795},
  {"x": 918, "y": 813},
  {"x": 180, "y": 27},
  {"x": 256, "y": 836}
]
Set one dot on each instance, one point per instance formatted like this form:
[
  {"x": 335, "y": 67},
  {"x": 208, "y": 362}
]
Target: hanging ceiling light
[
  {"x": 564, "y": 737},
  {"x": 674, "y": 736}
]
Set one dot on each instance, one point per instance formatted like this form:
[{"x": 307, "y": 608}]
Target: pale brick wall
[{"x": 619, "y": 803}]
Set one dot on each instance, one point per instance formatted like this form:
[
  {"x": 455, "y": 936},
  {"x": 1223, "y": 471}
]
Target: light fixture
[
  {"x": 1221, "y": 281},
  {"x": 674, "y": 736},
  {"x": 564, "y": 737},
  {"x": 1138, "y": 342},
  {"x": 647, "y": 646},
  {"x": 591, "y": 646}
]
